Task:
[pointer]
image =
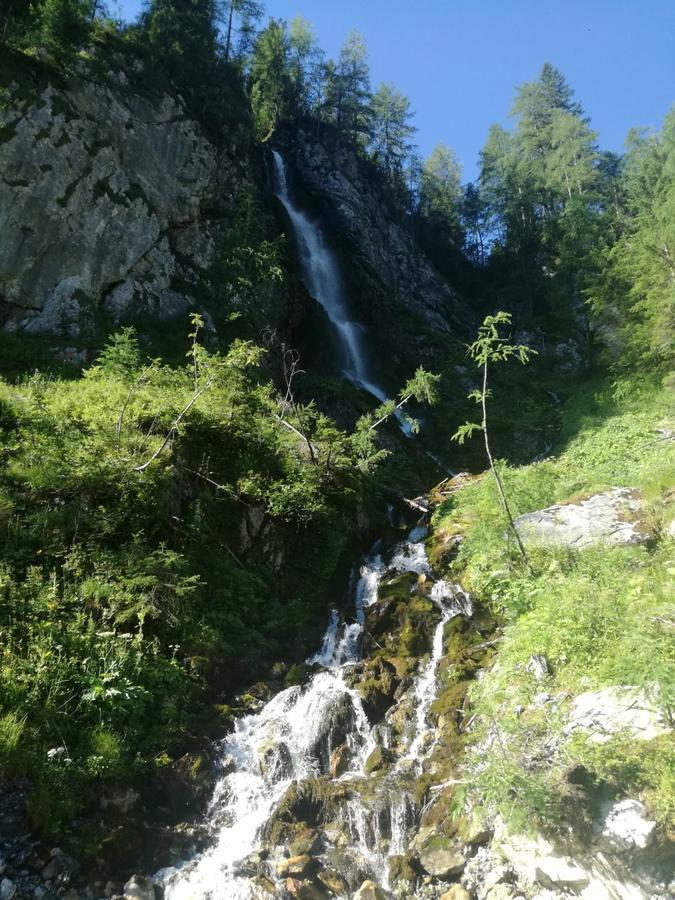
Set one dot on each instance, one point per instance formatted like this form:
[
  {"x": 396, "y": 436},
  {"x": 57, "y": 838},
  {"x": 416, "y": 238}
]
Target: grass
[{"x": 601, "y": 616}]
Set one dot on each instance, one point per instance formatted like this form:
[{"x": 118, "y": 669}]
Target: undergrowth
[{"x": 601, "y": 616}]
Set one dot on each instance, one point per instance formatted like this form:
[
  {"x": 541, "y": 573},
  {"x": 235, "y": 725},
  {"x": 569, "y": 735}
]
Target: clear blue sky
[{"x": 459, "y": 60}]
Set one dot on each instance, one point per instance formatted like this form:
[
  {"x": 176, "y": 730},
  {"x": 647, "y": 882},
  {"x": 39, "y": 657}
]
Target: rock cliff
[
  {"x": 392, "y": 284},
  {"x": 109, "y": 200}
]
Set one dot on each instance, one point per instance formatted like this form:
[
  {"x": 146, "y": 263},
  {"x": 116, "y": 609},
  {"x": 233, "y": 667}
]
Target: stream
[{"x": 294, "y": 738}]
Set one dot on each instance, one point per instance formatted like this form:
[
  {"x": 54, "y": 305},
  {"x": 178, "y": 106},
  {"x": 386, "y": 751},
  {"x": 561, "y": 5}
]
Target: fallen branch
[{"x": 174, "y": 426}]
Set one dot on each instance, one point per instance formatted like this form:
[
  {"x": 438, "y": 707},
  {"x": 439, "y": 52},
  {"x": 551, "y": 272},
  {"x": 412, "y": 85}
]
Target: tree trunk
[{"x": 498, "y": 480}]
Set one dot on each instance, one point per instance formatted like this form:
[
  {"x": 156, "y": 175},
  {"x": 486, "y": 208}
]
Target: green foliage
[
  {"x": 125, "y": 600},
  {"x": 59, "y": 26},
  {"x": 601, "y": 616},
  {"x": 632, "y": 296},
  {"x": 271, "y": 86}
]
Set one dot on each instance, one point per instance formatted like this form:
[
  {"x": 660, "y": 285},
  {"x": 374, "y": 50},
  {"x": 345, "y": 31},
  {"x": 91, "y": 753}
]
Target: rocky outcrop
[
  {"x": 610, "y": 518},
  {"x": 110, "y": 201}
]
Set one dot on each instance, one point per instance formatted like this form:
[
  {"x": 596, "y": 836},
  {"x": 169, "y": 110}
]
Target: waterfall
[
  {"x": 452, "y": 601},
  {"x": 321, "y": 275},
  {"x": 293, "y": 737}
]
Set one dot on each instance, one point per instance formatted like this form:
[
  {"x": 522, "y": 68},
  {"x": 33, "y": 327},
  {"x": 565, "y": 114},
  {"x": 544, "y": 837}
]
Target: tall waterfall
[
  {"x": 294, "y": 738},
  {"x": 321, "y": 275}
]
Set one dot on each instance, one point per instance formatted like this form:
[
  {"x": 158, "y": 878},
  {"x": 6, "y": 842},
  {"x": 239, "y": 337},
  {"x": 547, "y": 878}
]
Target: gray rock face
[
  {"x": 103, "y": 199},
  {"x": 613, "y": 710},
  {"x": 378, "y": 244},
  {"x": 608, "y": 518}
]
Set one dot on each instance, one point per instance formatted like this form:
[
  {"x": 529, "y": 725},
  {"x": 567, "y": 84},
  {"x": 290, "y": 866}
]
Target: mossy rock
[
  {"x": 380, "y": 759},
  {"x": 449, "y": 703},
  {"x": 306, "y": 842},
  {"x": 334, "y": 883},
  {"x": 399, "y": 588},
  {"x": 403, "y": 869},
  {"x": 377, "y": 692},
  {"x": 297, "y": 674}
]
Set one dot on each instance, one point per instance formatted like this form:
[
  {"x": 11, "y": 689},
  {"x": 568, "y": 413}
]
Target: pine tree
[
  {"x": 271, "y": 83},
  {"x": 391, "y": 131},
  {"x": 440, "y": 188},
  {"x": 350, "y": 91}
]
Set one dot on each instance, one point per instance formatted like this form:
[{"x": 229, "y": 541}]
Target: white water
[
  {"x": 321, "y": 275},
  {"x": 452, "y": 601},
  {"x": 289, "y": 739}
]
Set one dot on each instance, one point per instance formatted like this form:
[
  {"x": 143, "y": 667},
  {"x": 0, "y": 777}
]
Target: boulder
[
  {"x": 275, "y": 762},
  {"x": 305, "y": 890},
  {"x": 60, "y": 866},
  {"x": 456, "y": 892},
  {"x": 295, "y": 866},
  {"x": 339, "y": 760},
  {"x": 378, "y": 760},
  {"x": 609, "y": 518},
  {"x": 613, "y": 710},
  {"x": 7, "y": 889},
  {"x": 369, "y": 891},
  {"x": 627, "y": 827},
  {"x": 440, "y": 858},
  {"x": 139, "y": 887},
  {"x": 305, "y": 842},
  {"x": 333, "y": 882},
  {"x": 538, "y": 666},
  {"x": 558, "y": 874}
]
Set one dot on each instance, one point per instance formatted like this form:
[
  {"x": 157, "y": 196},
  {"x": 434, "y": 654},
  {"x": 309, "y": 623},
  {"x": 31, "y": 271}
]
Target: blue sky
[{"x": 459, "y": 60}]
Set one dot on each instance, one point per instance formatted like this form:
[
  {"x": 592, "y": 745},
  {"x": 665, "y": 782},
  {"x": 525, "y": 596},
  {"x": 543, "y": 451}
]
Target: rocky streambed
[{"x": 345, "y": 779}]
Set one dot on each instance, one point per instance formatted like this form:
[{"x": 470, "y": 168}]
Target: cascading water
[
  {"x": 321, "y": 274},
  {"x": 292, "y": 738}
]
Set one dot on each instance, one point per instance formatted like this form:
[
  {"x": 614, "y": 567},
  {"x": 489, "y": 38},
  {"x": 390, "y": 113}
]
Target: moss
[
  {"x": 378, "y": 761},
  {"x": 297, "y": 674}
]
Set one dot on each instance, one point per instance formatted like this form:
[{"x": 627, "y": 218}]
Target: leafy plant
[{"x": 491, "y": 347}]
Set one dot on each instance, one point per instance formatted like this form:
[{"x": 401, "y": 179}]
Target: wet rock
[
  {"x": 295, "y": 866},
  {"x": 626, "y": 827},
  {"x": 139, "y": 887},
  {"x": 608, "y": 518},
  {"x": 264, "y": 886},
  {"x": 379, "y": 615},
  {"x": 337, "y": 833},
  {"x": 305, "y": 890},
  {"x": 305, "y": 843},
  {"x": 456, "y": 892},
  {"x": 369, "y": 891},
  {"x": 377, "y": 688},
  {"x": 339, "y": 761},
  {"x": 7, "y": 889},
  {"x": 403, "y": 870},
  {"x": 333, "y": 882},
  {"x": 297, "y": 674},
  {"x": 275, "y": 762},
  {"x": 381, "y": 252},
  {"x": 379, "y": 760},
  {"x": 60, "y": 866}
]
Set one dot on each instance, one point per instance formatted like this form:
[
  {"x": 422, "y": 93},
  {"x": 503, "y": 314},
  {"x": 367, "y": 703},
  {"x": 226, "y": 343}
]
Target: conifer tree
[
  {"x": 271, "y": 84},
  {"x": 391, "y": 131}
]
